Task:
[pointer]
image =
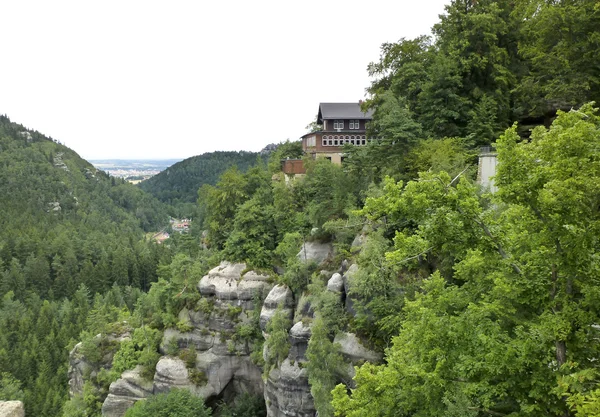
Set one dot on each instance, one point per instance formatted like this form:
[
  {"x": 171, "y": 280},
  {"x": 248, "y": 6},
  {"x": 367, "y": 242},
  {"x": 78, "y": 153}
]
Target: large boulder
[
  {"x": 280, "y": 295},
  {"x": 171, "y": 373},
  {"x": 12, "y": 409},
  {"x": 336, "y": 283},
  {"x": 315, "y": 251},
  {"x": 354, "y": 351},
  {"x": 225, "y": 282},
  {"x": 125, "y": 392},
  {"x": 299, "y": 337},
  {"x": 287, "y": 393}
]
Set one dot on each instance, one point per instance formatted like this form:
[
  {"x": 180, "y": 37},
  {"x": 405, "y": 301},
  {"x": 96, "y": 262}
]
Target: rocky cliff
[{"x": 225, "y": 363}]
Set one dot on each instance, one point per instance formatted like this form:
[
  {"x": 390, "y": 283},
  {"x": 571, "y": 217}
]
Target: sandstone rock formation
[
  {"x": 354, "y": 351},
  {"x": 280, "y": 295},
  {"x": 287, "y": 393},
  {"x": 124, "y": 392},
  {"x": 315, "y": 251},
  {"x": 81, "y": 368},
  {"x": 12, "y": 409},
  {"x": 223, "y": 367}
]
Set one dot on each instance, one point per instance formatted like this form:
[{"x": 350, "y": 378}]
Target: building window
[
  {"x": 311, "y": 141},
  {"x": 335, "y": 142},
  {"x": 354, "y": 124},
  {"x": 338, "y": 124}
]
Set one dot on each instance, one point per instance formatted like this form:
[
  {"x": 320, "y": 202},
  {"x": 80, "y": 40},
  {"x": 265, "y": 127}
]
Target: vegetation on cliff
[{"x": 482, "y": 304}]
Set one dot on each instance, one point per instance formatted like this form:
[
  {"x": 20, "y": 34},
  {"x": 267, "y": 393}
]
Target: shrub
[{"x": 175, "y": 403}]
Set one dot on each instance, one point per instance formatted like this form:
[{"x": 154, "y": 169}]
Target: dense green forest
[
  {"x": 180, "y": 182},
  {"x": 178, "y": 185},
  {"x": 481, "y": 304},
  {"x": 67, "y": 232}
]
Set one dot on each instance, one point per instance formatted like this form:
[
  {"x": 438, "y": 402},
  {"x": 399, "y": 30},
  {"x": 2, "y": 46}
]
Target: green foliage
[
  {"x": 175, "y": 403},
  {"x": 277, "y": 344},
  {"x": 505, "y": 324},
  {"x": 244, "y": 405},
  {"x": 285, "y": 150},
  {"x": 325, "y": 366},
  {"x": 559, "y": 42},
  {"x": 288, "y": 248},
  {"x": 180, "y": 183},
  {"x": 197, "y": 377},
  {"x": 140, "y": 350},
  {"x": 10, "y": 388},
  {"x": 297, "y": 275},
  {"x": 188, "y": 356}
]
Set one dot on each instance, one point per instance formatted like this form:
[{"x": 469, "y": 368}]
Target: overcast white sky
[{"x": 174, "y": 79}]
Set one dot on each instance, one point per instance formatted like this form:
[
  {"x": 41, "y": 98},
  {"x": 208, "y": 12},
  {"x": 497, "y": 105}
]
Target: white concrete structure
[{"x": 487, "y": 168}]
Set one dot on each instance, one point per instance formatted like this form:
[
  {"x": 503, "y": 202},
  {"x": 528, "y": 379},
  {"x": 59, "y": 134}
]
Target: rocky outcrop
[
  {"x": 225, "y": 283},
  {"x": 125, "y": 392},
  {"x": 315, "y": 251},
  {"x": 171, "y": 373},
  {"x": 336, "y": 283},
  {"x": 12, "y": 409},
  {"x": 354, "y": 351},
  {"x": 223, "y": 365},
  {"x": 208, "y": 355},
  {"x": 287, "y": 393},
  {"x": 299, "y": 337},
  {"x": 280, "y": 295},
  {"x": 81, "y": 368}
]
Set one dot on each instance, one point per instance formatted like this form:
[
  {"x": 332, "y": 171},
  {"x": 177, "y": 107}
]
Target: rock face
[
  {"x": 299, "y": 337},
  {"x": 287, "y": 393},
  {"x": 315, "y": 251},
  {"x": 124, "y": 392},
  {"x": 336, "y": 283},
  {"x": 12, "y": 409},
  {"x": 225, "y": 283},
  {"x": 280, "y": 295},
  {"x": 354, "y": 351},
  {"x": 222, "y": 366},
  {"x": 80, "y": 367}
]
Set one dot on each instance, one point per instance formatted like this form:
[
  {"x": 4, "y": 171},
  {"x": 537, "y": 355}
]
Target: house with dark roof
[{"x": 342, "y": 123}]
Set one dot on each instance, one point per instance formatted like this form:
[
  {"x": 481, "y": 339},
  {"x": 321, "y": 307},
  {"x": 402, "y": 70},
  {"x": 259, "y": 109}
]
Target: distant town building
[{"x": 180, "y": 225}]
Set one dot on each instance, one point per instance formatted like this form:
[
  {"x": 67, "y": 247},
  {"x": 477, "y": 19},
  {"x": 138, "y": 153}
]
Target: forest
[{"x": 480, "y": 304}]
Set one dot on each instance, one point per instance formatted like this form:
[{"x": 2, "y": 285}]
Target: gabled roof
[{"x": 342, "y": 111}]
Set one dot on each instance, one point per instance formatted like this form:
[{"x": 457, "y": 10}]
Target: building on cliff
[{"x": 341, "y": 123}]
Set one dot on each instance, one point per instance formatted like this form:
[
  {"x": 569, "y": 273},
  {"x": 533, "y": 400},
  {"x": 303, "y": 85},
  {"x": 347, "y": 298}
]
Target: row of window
[
  {"x": 339, "y": 124},
  {"x": 335, "y": 140}
]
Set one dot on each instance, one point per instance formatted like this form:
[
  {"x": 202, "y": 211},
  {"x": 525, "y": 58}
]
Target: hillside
[
  {"x": 68, "y": 232},
  {"x": 180, "y": 182}
]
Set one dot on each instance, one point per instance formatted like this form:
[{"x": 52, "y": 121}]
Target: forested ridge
[
  {"x": 480, "y": 304},
  {"x": 67, "y": 232},
  {"x": 180, "y": 182}
]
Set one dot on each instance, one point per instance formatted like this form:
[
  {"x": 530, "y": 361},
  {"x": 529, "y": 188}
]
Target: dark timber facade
[{"x": 342, "y": 123}]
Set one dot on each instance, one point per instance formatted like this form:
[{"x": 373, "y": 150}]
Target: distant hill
[
  {"x": 41, "y": 178},
  {"x": 78, "y": 224},
  {"x": 180, "y": 182}
]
